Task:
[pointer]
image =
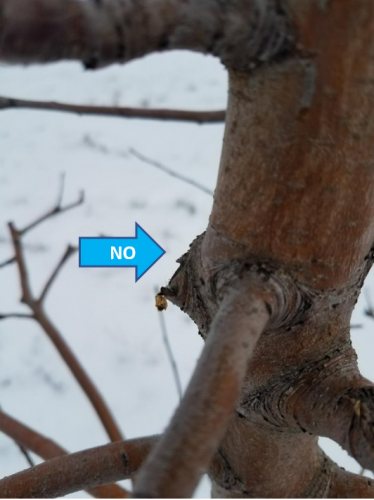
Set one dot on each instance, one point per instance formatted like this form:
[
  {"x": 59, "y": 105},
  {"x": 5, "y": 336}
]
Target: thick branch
[
  {"x": 345, "y": 413},
  {"x": 175, "y": 466},
  {"x": 119, "y": 112},
  {"x": 99, "y": 33},
  {"x": 66, "y": 474},
  {"x": 46, "y": 449}
]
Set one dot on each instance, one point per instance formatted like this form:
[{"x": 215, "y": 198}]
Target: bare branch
[
  {"x": 26, "y": 454},
  {"x": 22, "y": 270},
  {"x": 101, "y": 33},
  {"x": 169, "y": 352},
  {"x": 16, "y": 315},
  {"x": 169, "y": 171},
  {"x": 55, "y": 210},
  {"x": 195, "y": 116},
  {"x": 55, "y": 336},
  {"x": 47, "y": 449},
  {"x": 7, "y": 262},
  {"x": 183, "y": 454},
  {"x": 70, "y": 250},
  {"x": 62, "y": 474}
]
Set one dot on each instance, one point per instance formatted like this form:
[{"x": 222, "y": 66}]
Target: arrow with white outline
[{"x": 140, "y": 251}]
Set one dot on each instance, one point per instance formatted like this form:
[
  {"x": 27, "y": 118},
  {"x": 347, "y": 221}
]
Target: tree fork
[{"x": 294, "y": 198}]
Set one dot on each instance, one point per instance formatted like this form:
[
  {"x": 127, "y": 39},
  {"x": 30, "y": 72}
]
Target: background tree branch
[{"x": 199, "y": 117}]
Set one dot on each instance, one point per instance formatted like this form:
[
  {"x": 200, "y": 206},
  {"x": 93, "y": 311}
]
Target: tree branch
[
  {"x": 169, "y": 171},
  {"x": 55, "y": 336},
  {"x": 241, "y": 33},
  {"x": 169, "y": 351},
  {"x": 62, "y": 474},
  {"x": 16, "y": 315},
  {"x": 195, "y": 116},
  {"x": 28, "y": 439},
  {"x": 183, "y": 454},
  {"x": 70, "y": 250},
  {"x": 55, "y": 210}
]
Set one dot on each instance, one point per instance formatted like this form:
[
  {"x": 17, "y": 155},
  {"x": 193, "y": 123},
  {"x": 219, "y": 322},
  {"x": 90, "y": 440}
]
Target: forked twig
[
  {"x": 36, "y": 306},
  {"x": 57, "y": 209}
]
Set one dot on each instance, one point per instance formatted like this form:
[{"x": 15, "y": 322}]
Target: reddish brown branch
[
  {"x": 70, "y": 250},
  {"x": 62, "y": 474},
  {"x": 119, "y": 112},
  {"x": 175, "y": 466},
  {"x": 36, "y": 306},
  {"x": 28, "y": 439}
]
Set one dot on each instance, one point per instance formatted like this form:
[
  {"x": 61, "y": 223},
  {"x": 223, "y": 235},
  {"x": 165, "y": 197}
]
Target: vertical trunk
[{"x": 295, "y": 198}]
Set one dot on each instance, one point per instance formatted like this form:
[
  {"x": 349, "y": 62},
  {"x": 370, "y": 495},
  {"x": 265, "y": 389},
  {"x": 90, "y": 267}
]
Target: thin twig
[
  {"x": 55, "y": 336},
  {"x": 16, "y": 315},
  {"x": 55, "y": 210},
  {"x": 47, "y": 449},
  {"x": 22, "y": 449},
  {"x": 26, "y": 454},
  {"x": 169, "y": 171},
  {"x": 199, "y": 117},
  {"x": 70, "y": 250},
  {"x": 169, "y": 352}
]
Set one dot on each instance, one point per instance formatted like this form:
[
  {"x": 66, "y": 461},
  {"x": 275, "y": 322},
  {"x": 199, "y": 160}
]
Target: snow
[{"x": 109, "y": 321}]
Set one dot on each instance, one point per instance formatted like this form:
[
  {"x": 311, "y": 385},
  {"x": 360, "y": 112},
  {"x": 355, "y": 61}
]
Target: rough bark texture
[
  {"x": 291, "y": 234},
  {"x": 101, "y": 32},
  {"x": 294, "y": 198}
]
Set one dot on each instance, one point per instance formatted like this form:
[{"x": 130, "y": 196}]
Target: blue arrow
[{"x": 141, "y": 252}]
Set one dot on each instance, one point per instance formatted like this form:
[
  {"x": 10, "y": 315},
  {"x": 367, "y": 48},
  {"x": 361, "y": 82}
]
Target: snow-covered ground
[{"x": 109, "y": 321}]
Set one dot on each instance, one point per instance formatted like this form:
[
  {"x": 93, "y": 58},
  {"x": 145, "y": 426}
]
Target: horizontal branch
[
  {"x": 118, "y": 112},
  {"x": 66, "y": 474},
  {"x": 185, "y": 451},
  {"x": 16, "y": 316},
  {"x": 103, "y": 32},
  {"x": 47, "y": 449}
]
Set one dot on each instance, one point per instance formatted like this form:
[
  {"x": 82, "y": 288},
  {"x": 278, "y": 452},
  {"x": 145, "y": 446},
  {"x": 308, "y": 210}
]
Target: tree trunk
[
  {"x": 295, "y": 198},
  {"x": 273, "y": 281}
]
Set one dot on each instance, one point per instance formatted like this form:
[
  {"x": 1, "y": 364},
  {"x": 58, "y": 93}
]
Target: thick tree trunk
[
  {"x": 273, "y": 281},
  {"x": 295, "y": 198}
]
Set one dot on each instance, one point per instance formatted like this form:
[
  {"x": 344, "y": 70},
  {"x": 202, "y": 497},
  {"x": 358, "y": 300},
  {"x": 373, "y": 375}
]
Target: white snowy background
[{"x": 109, "y": 321}]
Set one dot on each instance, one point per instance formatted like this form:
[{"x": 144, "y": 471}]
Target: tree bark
[{"x": 292, "y": 220}]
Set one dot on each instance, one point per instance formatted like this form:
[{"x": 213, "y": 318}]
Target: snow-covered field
[{"x": 109, "y": 321}]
